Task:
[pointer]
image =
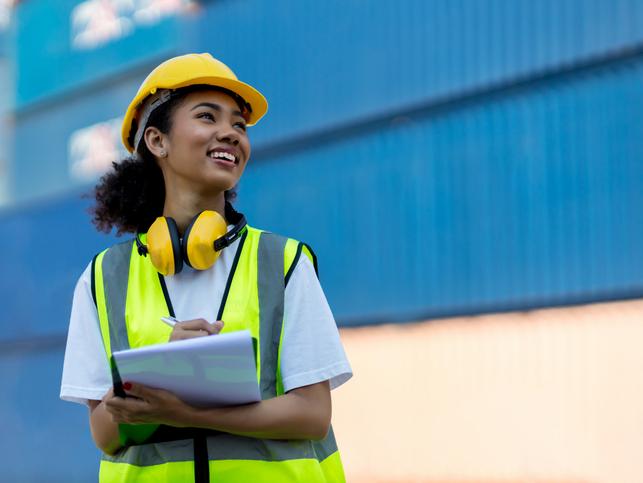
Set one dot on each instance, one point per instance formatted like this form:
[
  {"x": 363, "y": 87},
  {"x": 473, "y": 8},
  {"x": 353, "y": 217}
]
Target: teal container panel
[
  {"x": 42, "y": 168},
  {"x": 50, "y": 66}
]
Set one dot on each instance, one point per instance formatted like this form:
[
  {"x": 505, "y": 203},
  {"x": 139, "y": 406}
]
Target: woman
[{"x": 194, "y": 257}]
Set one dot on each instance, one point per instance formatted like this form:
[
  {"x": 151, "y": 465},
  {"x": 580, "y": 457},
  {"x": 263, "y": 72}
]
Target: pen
[{"x": 171, "y": 321}]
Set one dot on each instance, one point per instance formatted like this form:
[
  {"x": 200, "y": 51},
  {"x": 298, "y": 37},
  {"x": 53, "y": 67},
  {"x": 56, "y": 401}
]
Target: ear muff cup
[
  {"x": 164, "y": 246},
  {"x": 198, "y": 242}
]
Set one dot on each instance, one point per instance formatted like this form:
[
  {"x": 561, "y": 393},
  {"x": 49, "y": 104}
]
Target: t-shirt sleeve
[
  {"x": 85, "y": 370},
  {"x": 311, "y": 351}
]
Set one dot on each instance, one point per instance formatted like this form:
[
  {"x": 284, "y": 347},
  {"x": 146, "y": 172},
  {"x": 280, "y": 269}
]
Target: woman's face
[{"x": 207, "y": 146}]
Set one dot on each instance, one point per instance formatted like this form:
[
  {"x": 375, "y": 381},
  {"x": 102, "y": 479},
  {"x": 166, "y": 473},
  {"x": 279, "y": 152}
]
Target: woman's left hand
[{"x": 148, "y": 405}]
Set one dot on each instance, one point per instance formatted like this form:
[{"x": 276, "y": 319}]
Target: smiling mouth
[{"x": 223, "y": 156}]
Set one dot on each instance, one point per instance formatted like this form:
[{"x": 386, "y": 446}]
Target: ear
[{"x": 156, "y": 142}]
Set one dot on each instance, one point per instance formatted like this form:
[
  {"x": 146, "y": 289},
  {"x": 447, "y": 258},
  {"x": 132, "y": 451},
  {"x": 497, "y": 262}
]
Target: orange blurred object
[{"x": 550, "y": 395}]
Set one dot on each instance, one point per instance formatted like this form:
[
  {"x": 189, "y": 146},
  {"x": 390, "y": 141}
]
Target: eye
[
  {"x": 240, "y": 125},
  {"x": 206, "y": 115}
]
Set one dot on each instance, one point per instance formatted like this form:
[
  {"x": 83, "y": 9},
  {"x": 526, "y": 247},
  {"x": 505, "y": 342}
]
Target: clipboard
[{"x": 212, "y": 371}]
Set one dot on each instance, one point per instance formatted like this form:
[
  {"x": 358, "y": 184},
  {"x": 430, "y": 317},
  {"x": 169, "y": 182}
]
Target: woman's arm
[
  {"x": 303, "y": 413},
  {"x": 104, "y": 429},
  {"x": 103, "y": 426}
]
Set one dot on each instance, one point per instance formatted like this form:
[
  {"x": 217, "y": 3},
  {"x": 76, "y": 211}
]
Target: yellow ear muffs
[
  {"x": 198, "y": 241},
  {"x": 204, "y": 238},
  {"x": 164, "y": 246}
]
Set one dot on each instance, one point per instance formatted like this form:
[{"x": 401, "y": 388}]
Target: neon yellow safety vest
[{"x": 131, "y": 296}]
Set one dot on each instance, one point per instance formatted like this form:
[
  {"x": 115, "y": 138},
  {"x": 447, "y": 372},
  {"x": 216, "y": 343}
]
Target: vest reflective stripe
[
  {"x": 221, "y": 446},
  {"x": 116, "y": 262},
  {"x": 112, "y": 275},
  {"x": 270, "y": 284},
  {"x": 128, "y": 283},
  {"x": 327, "y": 446}
]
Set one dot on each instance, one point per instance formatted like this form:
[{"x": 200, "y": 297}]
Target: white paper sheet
[{"x": 213, "y": 371}]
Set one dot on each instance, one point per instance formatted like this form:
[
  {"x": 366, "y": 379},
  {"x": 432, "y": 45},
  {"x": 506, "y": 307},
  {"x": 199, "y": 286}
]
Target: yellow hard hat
[{"x": 182, "y": 71}]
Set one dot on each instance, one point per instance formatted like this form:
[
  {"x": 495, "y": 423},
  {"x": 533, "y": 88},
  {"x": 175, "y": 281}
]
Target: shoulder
[
  {"x": 116, "y": 250},
  {"x": 112, "y": 255},
  {"x": 294, "y": 250}
]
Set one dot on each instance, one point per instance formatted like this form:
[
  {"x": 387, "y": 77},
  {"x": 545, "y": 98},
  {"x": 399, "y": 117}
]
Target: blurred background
[{"x": 469, "y": 172}]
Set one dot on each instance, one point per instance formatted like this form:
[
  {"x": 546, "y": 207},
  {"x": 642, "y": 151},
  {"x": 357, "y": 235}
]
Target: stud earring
[{"x": 163, "y": 154}]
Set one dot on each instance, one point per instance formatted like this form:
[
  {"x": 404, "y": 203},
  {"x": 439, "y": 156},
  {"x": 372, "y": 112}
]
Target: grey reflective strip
[
  {"x": 221, "y": 446},
  {"x": 154, "y": 454},
  {"x": 115, "y": 276},
  {"x": 325, "y": 447},
  {"x": 270, "y": 285}
]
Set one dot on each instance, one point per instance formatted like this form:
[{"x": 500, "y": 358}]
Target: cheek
[
  {"x": 193, "y": 138},
  {"x": 246, "y": 147},
  {"x": 200, "y": 137}
]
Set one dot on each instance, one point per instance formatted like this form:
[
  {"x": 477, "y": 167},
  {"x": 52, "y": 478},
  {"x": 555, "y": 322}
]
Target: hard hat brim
[{"x": 252, "y": 96}]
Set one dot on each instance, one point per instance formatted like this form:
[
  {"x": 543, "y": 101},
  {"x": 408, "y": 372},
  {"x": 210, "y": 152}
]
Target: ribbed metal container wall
[
  {"x": 442, "y": 157},
  {"x": 507, "y": 201}
]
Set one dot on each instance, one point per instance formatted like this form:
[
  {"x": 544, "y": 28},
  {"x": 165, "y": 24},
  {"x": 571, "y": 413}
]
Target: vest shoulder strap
[
  {"x": 292, "y": 253},
  {"x": 110, "y": 270}
]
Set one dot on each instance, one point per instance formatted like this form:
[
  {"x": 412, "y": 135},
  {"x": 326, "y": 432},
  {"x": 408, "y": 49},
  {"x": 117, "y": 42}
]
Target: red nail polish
[{"x": 127, "y": 386}]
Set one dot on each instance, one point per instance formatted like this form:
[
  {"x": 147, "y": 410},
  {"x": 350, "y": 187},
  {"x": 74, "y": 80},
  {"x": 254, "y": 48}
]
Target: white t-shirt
[{"x": 312, "y": 351}]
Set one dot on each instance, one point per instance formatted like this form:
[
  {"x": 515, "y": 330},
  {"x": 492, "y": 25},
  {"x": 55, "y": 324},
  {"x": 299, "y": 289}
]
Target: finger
[
  {"x": 115, "y": 404},
  {"x": 218, "y": 326},
  {"x": 180, "y": 334},
  {"x": 188, "y": 334},
  {"x": 137, "y": 390},
  {"x": 124, "y": 403},
  {"x": 117, "y": 415},
  {"x": 197, "y": 324},
  {"x": 122, "y": 417},
  {"x": 130, "y": 407}
]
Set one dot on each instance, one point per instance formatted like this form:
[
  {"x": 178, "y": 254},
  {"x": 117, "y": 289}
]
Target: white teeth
[{"x": 223, "y": 155}]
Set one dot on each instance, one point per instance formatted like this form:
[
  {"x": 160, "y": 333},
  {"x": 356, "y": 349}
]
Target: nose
[{"x": 227, "y": 134}]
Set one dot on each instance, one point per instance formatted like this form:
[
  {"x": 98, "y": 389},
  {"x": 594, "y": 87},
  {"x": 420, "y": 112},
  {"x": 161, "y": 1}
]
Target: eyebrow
[{"x": 216, "y": 107}]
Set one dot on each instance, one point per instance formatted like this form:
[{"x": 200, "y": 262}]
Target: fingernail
[{"x": 127, "y": 386}]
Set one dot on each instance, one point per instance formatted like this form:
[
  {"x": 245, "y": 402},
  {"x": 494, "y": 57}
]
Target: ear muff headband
[
  {"x": 176, "y": 245},
  {"x": 202, "y": 242},
  {"x": 240, "y": 223}
]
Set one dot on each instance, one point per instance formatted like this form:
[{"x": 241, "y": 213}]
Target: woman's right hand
[{"x": 190, "y": 329}]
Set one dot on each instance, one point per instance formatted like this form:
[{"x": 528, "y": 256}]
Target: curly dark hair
[{"x": 131, "y": 195}]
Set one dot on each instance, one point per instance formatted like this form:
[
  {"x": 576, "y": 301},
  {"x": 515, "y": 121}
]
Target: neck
[{"x": 184, "y": 207}]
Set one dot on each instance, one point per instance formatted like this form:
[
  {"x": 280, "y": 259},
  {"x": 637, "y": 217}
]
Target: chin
[{"x": 215, "y": 186}]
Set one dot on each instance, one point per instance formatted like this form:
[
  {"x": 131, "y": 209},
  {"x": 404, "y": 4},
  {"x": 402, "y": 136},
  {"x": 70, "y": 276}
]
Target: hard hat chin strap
[{"x": 151, "y": 103}]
